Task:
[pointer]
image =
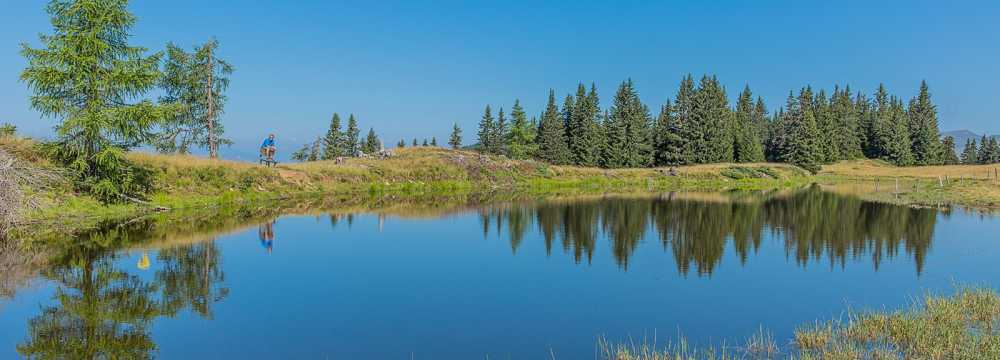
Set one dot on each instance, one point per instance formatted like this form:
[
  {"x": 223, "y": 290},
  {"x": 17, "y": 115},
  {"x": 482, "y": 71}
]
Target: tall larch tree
[
  {"x": 86, "y": 76},
  {"x": 486, "y": 130},
  {"x": 352, "y": 136},
  {"x": 333, "y": 142},
  {"x": 455, "y": 141},
  {"x": 923, "y": 128},
  {"x": 197, "y": 81},
  {"x": 552, "y": 146},
  {"x": 520, "y": 141}
]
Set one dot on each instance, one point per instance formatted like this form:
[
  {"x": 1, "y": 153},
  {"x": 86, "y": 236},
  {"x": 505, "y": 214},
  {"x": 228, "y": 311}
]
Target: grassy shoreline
[{"x": 184, "y": 183}]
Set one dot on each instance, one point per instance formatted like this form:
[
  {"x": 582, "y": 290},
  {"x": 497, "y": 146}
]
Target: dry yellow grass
[{"x": 870, "y": 168}]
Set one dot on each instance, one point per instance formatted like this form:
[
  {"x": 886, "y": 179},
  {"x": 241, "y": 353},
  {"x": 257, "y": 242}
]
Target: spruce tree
[
  {"x": 748, "y": 146},
  {"x": 801, "y": 146},
  {"x": 87, "y": 76},
  {"x": 629, "y": 140},
  {"x": 520, "y": 141},
  {"x": 864, "y": 109},
  {"x": 711, "y": 123},
  {"x": 372, "y": 143},
  {"x": 455, "y": 141},
  {"x": 566, "y": 115},
  {"x": 486, "y": 130},
  {"x": 434, "y": 141},
  {"x": 949, "y": 157},
  {"x": 415, "y": 143},
  {"x": 683, "y": 126},
  {"x": 352, "y": 137},
  {"x": 666, "y": 134},
  {"x": 826, "y": 125},
  {"x": 923, "y": 128},
  {"x": 970, "y": 154},
  {"x": 985, "y": 154},
  {"x": 552, "y": 145},
  {"x": 499, "y": 133},
  {"x": 847, "y": 134},
  {"x": 316, "y": 150},
  {"x": 994, "y": 151},
  {"x": 574, "y": 124},
  {"x": 401, "y": 143},
  {"x": 333, "y": 142},
  {"x": 425, "y": 143},
  {"x": 898, "y": 148}
]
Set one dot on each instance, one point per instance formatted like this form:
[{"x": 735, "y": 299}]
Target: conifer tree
[
  {"x": 711, "y": 121},
  {"x": 985, "y": 151},
  {"x": 667, "y": 138},
  {"x": 970, "y": 155},
  {"x": 499, "y": 133},
  {"x": 552, "y": 145},
  {"x": 486, "y": 130},
  {"x": 186, "y": 81},
  {"x": 826, "y": 126},
  {"x": 847, "y": 134},
  {"x": 401, "y": 143},
  {"x": 352, "y": 137},
  {"x": 801, "y": 145},
  {"x": 748, "y": 146},
  {"x": 520, "y": 141},
  {"x": 456, "y": 137},
  {"x": 898, "y": 148},
  {"x": 866, "y": 124},
  {"x": 683, "y": 127},
  {"x": 923, "y": 128},
  {"x": 566, "y": 116},
  {"x": 629, "y": 141},
  {"x": 434, "y": 141},
  {"x": 425, "y": 143},
  {"x": 316, "y": 150},
  {"x": 333, "y": 142},
  {"x": 87, "y": 76},
  {"x": 994, "y": 151},
  {"x": 949, "y": 156},
  {"x": 372, "y": 143},
  {"x": 415, "y": 143},
  {"x": 587, "y": 140}
]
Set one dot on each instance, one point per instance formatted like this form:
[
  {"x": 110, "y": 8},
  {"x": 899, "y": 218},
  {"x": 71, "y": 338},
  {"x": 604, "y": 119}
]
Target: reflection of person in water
[{"x": 266, "y": 233}]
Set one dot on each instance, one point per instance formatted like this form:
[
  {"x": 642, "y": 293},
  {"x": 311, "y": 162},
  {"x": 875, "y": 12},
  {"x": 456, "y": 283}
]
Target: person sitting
[{"x": 267, "y": 149}]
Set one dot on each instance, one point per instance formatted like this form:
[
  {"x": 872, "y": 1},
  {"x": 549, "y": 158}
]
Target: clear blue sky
[{"x": 412, "y": 68}]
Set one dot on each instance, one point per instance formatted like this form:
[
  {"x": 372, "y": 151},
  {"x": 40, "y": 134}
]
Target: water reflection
[
  {"x": 103, "y": 311},
  {"x": 266, "y": 235},
  {"x": 696, "y": 228}
]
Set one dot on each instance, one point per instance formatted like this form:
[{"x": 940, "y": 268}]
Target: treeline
[
  {"x": 986, "y": 152},
  {"x": 698, "y": 231},
  {"x": 339, "y": 143},
  {"x": 700, "y": 126}
]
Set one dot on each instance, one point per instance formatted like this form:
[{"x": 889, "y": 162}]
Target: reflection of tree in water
[
  {"x": 103, "y": 311},
  {"x": 813, "y": 224}
]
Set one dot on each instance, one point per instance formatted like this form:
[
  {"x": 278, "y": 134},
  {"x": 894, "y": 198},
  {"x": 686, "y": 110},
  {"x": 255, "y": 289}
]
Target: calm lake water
[{"x": 521, "y": 280}]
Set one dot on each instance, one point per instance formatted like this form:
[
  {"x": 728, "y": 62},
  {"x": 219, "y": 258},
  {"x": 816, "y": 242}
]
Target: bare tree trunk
[{"x": 210, "y": 117}]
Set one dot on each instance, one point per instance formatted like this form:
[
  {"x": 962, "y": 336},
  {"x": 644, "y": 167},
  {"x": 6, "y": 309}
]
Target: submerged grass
[{"x": 961, "y": 326}]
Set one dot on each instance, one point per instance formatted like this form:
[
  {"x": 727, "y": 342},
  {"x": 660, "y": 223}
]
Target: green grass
[{"x": 960, "y": 326}]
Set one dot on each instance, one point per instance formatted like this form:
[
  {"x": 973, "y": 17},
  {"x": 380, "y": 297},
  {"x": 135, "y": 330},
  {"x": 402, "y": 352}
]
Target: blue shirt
[{"x": 267, "y": 143}]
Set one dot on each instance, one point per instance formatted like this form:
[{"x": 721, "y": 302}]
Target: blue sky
[{"x": 412, "y": 68}]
